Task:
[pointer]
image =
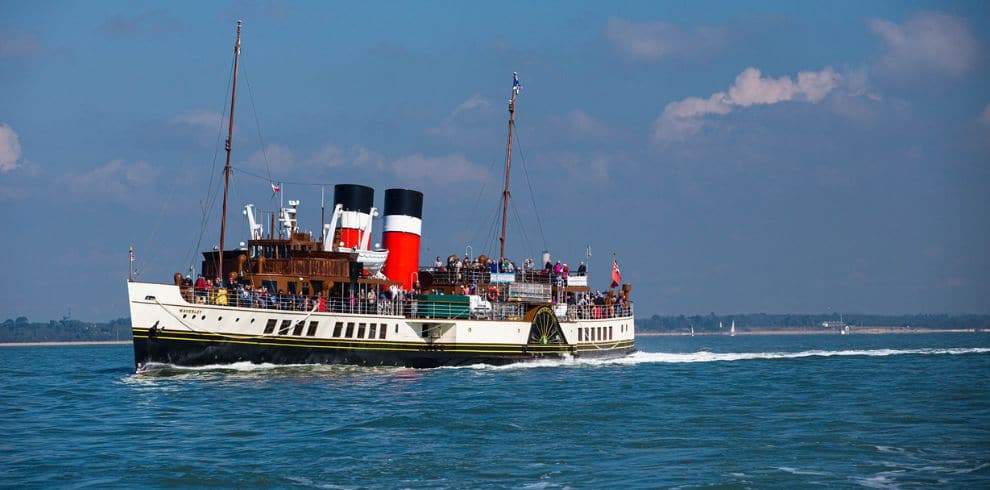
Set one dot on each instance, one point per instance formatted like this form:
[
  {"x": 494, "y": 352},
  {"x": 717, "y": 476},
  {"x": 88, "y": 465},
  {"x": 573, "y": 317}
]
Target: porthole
[
  {"x": 204, "y": 317},
  {"x": 252, "y": 320},
  {"x": 237, "y": 319},
  {"x": 219, "y": 318},
  {"x": 184, "y": 315}
]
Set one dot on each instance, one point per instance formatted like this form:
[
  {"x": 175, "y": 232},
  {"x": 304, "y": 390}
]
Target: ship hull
[
  {"x": 171, "y": 331},
  {"x": 202, "y": 350}
]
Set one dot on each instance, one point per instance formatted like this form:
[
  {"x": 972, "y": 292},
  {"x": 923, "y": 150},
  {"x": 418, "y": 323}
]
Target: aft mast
[
  {"x": 516, "y": 87},
  {"x": 226, "y": 168}
]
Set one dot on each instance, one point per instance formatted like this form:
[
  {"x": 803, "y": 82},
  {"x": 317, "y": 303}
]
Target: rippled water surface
[{"x": 882, "y": 411}]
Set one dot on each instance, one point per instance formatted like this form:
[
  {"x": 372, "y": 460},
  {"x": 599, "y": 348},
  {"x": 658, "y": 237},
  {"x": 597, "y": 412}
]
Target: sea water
[{"x": 878, "y": 411}]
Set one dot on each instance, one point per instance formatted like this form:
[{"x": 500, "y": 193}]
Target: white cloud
[
  {"x": 116, "y": 180},
  {"x": 440, "y": 170},
  {"x": 683, "y": 118},
  {"x": 592, "y": 167},
  {"x": 10, "y": 149},
  {"x": 473, "y": 102},
  {"x": 200, "y": 119},
  {"x": 929, "y": 42},
  {"x": 278, "y": 157},
  {"x": 357, "y": 156},
  {"x": 580, "y": 123},
  {"x": 652, "y": 41},
  {"x": 464, "y": 124}
]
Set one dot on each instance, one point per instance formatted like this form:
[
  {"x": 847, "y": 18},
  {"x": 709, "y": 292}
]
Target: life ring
[{"x": 492, "y": 294}]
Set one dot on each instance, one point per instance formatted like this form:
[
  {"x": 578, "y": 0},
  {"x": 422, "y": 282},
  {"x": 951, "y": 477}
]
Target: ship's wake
[
  {"x": 706, "y": 356},
  {"x": 247, "y": 369}
]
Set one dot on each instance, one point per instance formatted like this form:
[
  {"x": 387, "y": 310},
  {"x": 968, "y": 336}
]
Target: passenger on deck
[
  {"x": 437, "y": 264},
  {"x": 582, "y": 269}
]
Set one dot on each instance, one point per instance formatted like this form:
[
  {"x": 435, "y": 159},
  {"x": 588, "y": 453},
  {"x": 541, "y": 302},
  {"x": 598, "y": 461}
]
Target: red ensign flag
[{"x": 616, "y": 277}]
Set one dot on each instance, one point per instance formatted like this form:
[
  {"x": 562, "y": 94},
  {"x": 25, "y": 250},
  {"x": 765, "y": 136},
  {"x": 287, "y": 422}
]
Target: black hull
[{"x": 188, "y": 349}]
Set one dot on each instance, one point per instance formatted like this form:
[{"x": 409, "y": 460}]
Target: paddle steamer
[{"x": 287, "y": 296}]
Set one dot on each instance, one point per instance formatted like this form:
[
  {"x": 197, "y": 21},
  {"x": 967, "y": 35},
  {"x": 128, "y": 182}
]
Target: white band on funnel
[
  {"x": 354, "y": 220},
  {"x": 405, "y": 224}
]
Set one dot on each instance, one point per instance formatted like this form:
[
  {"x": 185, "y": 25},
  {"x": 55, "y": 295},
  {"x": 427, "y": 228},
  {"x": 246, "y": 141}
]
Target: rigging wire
[
  {"x": 477, "y": 201},
  {"x": 522, "y": 229},
  {"x": 532, "y": 195},
  {"x": 257, "y": 123},
  {"x": 204, "y": 220}
]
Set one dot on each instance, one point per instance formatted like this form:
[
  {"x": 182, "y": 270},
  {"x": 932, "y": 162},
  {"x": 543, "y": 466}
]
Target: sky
[{"x": 735, "y": 156}]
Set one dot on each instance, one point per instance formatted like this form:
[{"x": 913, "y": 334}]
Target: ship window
[
  {"x": 396, "y": 328},
  {"x": 149, "y": 298},
  {"x": 361, "y": 329},
  {"x": 598, "y": 333},
  {"x": 350, "y": 330},
  {"x": 299, "y": 328},
  {"x": 284, "y": 329},
  {"x": 587, "y": 334},
  {"x": 271, "y": 286},
  {"x": 317, "y": 286},
  {"x": 372, "y": 330},
  {"x": 291, "y": 285},
  {"x": 381, "y": 333},
  {"x": 312, "y": 329},
  {"x": 580, "y": 336},
  {"x": 337, "y": 327},
  {"x": 270, "y": 326},
  {"x": 610, "y": 332}
]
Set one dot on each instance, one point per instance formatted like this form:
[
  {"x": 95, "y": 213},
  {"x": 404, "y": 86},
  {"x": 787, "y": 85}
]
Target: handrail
[
  {"x": 452, "y": 277},
  {"x": 409, "y": 306}
]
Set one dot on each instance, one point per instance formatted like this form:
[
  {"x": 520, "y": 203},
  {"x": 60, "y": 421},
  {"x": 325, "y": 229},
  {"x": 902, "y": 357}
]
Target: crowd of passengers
[
  {"x": 556, "y": 271},
  {"x": 242, "y": 294}
]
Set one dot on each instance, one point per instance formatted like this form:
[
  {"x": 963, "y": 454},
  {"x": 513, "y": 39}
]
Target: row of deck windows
[
  {"x": 364, "y": 330},
  {"x": 373, "y": 330},
  {"x": 594, "y": 334}
]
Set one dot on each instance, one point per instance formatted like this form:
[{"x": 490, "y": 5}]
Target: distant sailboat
[
  {"x": 732, "y": 330},
  {"x": 692, "y": 330}
]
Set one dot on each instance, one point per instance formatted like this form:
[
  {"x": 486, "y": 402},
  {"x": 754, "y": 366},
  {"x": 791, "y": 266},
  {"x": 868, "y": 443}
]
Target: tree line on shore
[
  {"x": 67, "y": 330},
  {"x": 784, "y": 321}
]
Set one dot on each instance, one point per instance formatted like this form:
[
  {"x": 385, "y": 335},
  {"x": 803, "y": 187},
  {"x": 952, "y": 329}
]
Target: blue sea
[{"x": 874, "y": 411}]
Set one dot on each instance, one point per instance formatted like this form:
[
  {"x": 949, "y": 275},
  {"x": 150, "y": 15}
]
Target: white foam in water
[
  {"x": 632, "y": 359},
  {"x": 705, "y": 356}
]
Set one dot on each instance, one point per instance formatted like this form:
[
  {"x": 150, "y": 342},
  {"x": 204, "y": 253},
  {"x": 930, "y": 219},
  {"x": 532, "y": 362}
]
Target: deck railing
[
  {"x": 409, "y": 307},
  {"x": 474, "y": 276}
]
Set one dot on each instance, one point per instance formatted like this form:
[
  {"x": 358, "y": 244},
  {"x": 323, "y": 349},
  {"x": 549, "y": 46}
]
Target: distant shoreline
[
  {"x": 74, "y": 342},
  {"x": 798, "y": 331}
]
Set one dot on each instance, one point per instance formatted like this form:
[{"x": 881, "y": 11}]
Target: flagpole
[
  {"x": 226, "y": 168},
  {"x": 508, "y": 167},
  {"x": 323, "y": 220},
  {"x": 130, "y": 264}
]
